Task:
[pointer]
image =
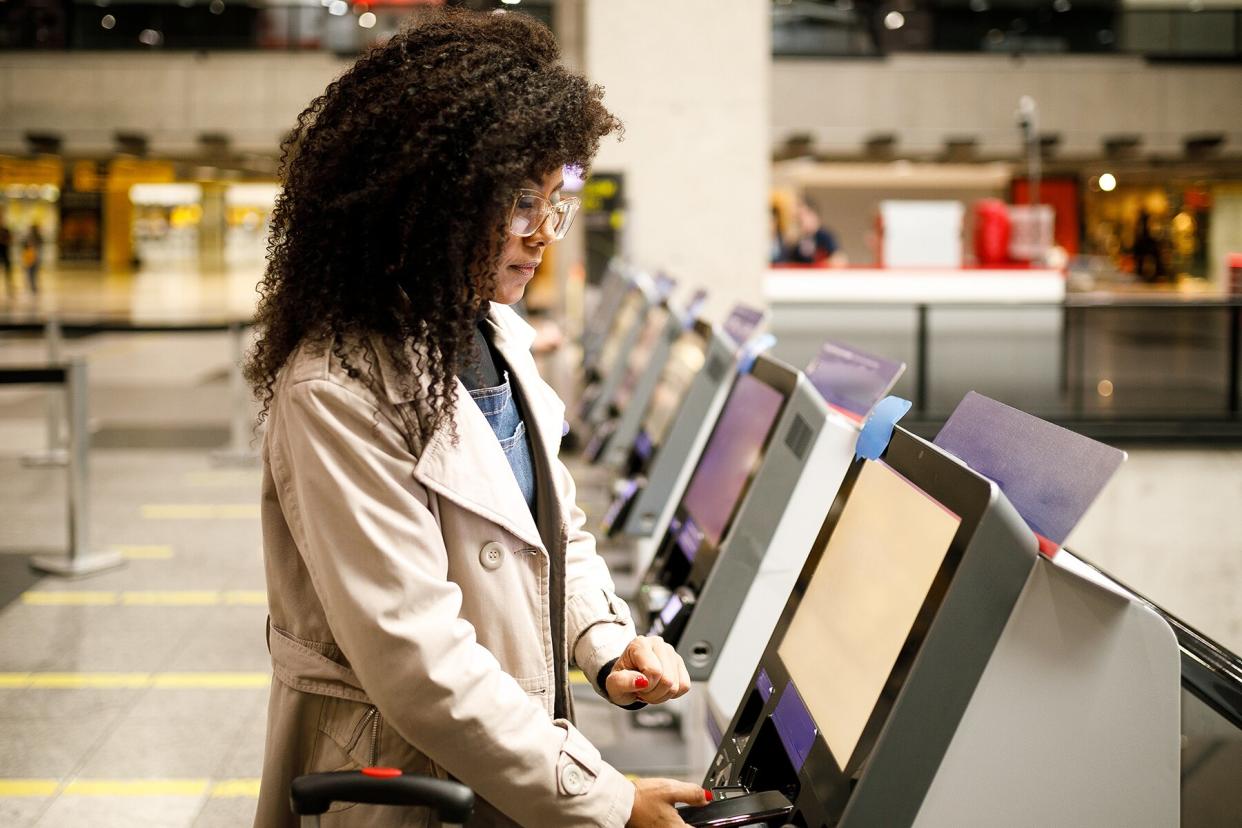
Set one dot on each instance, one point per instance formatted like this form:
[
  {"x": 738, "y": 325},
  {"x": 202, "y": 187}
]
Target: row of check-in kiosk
[{"x": 886, "y": 630}]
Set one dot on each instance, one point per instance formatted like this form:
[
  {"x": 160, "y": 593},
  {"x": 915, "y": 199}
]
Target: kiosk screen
[
  {"x": 625, "y": 319},
  {"x": 640, "y": 355},
  {"x": 860, "y": 605},
  {"x": 731, "y": 454},
  {"x": 685, "y": 360}
]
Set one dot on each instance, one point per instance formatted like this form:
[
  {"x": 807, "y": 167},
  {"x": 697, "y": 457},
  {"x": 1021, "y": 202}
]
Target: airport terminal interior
[{"x": 901, "y": 352}]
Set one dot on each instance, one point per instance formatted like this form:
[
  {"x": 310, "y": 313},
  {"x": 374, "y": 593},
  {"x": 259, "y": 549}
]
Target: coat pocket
[{"x": 353, "y": 729}]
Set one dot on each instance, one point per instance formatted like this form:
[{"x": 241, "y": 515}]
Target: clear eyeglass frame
[{"x": 526, "y": 219}]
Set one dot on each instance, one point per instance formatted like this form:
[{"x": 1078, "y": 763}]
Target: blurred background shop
[{"x": 1037, "y": 199}]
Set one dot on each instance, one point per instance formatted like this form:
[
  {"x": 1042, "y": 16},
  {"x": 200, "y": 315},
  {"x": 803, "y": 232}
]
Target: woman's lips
[{"x": 527, "y": 270}]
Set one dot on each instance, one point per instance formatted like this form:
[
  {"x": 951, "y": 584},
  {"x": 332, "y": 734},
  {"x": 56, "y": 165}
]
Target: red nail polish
[
  {"x": 641, "y": 682},
  {"x": 707, "y": 794}
]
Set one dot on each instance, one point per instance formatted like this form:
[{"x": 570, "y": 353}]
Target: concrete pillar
[
  {"x": 212, "y": 226},
  {"x": 690, "y": 80}
]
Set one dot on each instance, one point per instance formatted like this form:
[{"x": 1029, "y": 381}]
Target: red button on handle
[{"x": 381, "y": 773}]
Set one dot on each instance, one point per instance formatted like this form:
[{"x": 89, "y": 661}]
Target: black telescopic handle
[{"x": 314, "y": 793}]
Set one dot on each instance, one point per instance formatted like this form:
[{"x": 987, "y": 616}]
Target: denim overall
[{"x": 502, "y": 413}]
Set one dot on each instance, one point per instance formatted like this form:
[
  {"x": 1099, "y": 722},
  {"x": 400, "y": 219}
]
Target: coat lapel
[
  {"x": 475, "y": 473},
  {"x": 513, "y": 339}
]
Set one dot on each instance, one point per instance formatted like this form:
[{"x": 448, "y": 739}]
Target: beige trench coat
[{"x": 410, "y": 612}]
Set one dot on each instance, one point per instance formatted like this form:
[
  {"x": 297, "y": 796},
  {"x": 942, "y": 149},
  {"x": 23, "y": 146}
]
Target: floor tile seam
[{"x": 83, "y": 761}]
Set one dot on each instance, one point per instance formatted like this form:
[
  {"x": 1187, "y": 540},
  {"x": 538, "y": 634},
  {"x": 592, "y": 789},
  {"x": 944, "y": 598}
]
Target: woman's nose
[{"x": 544, "y": 234}]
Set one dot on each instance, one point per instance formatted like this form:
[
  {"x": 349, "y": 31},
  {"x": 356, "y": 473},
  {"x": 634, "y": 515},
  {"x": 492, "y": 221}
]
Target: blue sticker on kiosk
[
  {"x": 878, "y": 429},
  {"x": 746, "y": 358}
]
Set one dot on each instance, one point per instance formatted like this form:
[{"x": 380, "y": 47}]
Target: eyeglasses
[{"x": 530, "y": 210}]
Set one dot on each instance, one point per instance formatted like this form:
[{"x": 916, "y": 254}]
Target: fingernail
[
  {"x": 641, "y": 682},
  {"x": 707, "y": 794}
]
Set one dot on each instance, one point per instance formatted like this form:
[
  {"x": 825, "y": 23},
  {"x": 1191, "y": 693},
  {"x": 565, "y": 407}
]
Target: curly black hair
[{"x": 396, "y": 183}]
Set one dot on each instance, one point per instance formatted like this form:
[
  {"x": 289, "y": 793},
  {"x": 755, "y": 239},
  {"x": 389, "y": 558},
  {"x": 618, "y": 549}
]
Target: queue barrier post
[
  {"x": 55, "y": 453},
  {"x": 238, "y": 451},
  {"x": 79, "y": 559}
]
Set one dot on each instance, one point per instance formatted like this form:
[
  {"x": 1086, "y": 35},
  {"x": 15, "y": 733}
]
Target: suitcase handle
[{"x": 314, "y": 793}]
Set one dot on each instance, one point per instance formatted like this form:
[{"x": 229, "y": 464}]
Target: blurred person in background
[
  {"x": 814, "y": 243},
  {"x": 32, "y": 256},
  {"x": 6, "y": 251},
  {"x": 776, "y": 253},
  {"x": 429, "y": 576}
]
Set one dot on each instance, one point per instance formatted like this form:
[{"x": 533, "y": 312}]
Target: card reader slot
[{"x": 766, "y": 765}]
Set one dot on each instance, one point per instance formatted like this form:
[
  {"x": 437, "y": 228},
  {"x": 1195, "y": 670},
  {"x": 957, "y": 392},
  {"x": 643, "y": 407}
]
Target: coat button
[
  {"x": 492, "y": 555},
  {"x": 574, "y": 780}
]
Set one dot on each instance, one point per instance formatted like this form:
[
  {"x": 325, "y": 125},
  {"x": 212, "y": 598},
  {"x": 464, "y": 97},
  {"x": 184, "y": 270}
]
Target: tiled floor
[{"x": 136, "y": 696}]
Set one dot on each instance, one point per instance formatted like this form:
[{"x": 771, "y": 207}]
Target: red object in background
[
  {"x": 992, "y": 232},
  {"x": 1234, "y": 263},
  {"x": 1062, "y": 194}
]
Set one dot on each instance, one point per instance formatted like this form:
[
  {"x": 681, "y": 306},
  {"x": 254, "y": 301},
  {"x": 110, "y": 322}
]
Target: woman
[{"x": 429, "y": 579}]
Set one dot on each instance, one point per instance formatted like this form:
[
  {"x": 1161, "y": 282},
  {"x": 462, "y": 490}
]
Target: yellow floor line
[
  {"x": 146, "y": 598},
  {"x": 578, "y": 677},
  {"x": 223, "y": 478},
  {"x": 171, "y": 598},
  {"x": 28, "y": 787},
  {"x": 200, "y": 511},
  {"x": 134, "y": 681},
  {"x": 136, "y": 787},
  {"x": 244, "y": 788},
  {"x": 60, "y": 598},
  {"x": 235, "y": 789},
  {"x": 139, "y": 553},
  {"x": 210, "y": 681}
]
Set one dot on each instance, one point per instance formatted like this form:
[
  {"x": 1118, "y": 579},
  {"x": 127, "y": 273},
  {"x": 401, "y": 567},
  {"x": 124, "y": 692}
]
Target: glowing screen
[
  {"x": 625, "y": 318},
  {"x": 731, "y": 454},
  {"x": 862, "y": 600},
  {"x": 684, "y": 362},
  {"x": 640, "y": 355}
]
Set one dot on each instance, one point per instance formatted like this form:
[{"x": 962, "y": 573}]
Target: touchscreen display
[
  {"x": 640, "y": 356},
  {"x": 731, "y": 454},
  {"x": 625, "y": 319},
  {"x": 685, "y": 360},
  {"x": 862, "y": 600}
]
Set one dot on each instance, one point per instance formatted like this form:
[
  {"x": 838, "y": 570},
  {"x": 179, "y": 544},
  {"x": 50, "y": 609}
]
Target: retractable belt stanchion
[
  {"x": 238, "y": 451},
  {"x": 54, "y": 453},
  {"x": 79, "y": 559}
]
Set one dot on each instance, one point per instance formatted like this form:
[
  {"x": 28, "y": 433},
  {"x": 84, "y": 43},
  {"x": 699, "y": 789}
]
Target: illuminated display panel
[
  {"x": 862, "y": 600},
  {"x": 730, "y": 455},
  {"x": 631, "y": 307},
  {"x": 640, "y": 355},
  {"x": 685, "y": 360}
]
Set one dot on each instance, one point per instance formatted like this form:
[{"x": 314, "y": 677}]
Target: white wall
[
  {"x": 924, "y": 99},
  {"x": 690, "y": 81},
  {"x": 88, "y": 96}
]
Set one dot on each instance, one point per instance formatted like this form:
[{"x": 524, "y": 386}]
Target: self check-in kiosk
[
  {"x": 648, "y": 368},
  {"x": 1211, "y": 722},
  {"x": 600, "y": 315},
  {"x": 931, "y": 668},
  {"x": 851, "y": 382},
  {"x": 683, "y": 410},
  {"x": 616, "y": 423},
  {"x": 735, "y": 503},
  {"x": 627, "y": 325}
]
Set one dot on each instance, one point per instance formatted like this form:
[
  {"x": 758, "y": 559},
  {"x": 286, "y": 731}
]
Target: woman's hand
[
  {"x": 654, "y": 800},
  {"x": 649, "y": 670}
]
